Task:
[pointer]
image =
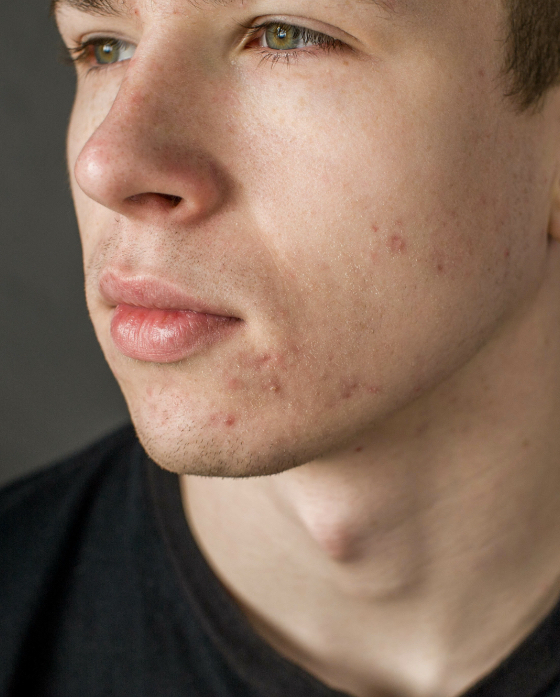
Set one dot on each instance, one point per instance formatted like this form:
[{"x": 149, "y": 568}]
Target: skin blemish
[
  {"x": 373, "y": 389},
  {"x": 374, "y": 256},
  {"x": 235, "y": 384},
  {"x": 269, "y": 361},
  {"x": 375, "y": 227},
  {"x": 229, "y": 420},
  {"x": 396, "y": 244},
  {"x": 359, "y": 450},
  {"x": 349, "y": 389},
  {"x": 271, "y": 386},
  {"x": 506, "y": 253}
]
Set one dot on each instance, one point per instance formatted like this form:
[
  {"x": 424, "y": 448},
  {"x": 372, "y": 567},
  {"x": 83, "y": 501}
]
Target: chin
[
  {"x": 205, "y": 455},
  {"x": 255, "y": 443}
]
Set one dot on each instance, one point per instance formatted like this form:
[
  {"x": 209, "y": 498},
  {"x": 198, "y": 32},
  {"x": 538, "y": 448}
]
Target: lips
[{"x": 156, "y": 322}]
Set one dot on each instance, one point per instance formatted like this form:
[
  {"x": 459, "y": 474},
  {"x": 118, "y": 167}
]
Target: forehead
[{"x": 120, "y": 7}]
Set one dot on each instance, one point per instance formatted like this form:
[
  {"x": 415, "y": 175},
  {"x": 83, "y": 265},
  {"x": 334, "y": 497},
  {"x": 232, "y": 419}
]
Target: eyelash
[{"x": 82, "y": 53}]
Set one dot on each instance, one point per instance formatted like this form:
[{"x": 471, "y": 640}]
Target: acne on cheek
[
  {"x": 222, "y": 419},
  {"x": 395, "y": 241},
  {"x": 261, "y": 373},
  {"x": 349, "y": 389},
  {"x": 396, "y": 244}
]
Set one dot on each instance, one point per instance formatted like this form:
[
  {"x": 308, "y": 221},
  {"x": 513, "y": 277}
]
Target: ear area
[{"x": 554, "y": 220}]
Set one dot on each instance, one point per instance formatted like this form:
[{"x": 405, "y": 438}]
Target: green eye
[
  {"x": 282, "y": 37},
  {"x": 109, "y": 51}
]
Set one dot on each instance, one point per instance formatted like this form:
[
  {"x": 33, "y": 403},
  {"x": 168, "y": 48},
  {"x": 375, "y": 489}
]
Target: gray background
[{"x": 56, "y": 392}]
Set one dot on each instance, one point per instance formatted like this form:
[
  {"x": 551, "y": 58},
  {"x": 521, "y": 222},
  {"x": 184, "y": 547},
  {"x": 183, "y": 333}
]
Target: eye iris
[
  {"x": 106, "y": 53},
  {"x": 282, "y": 37}
]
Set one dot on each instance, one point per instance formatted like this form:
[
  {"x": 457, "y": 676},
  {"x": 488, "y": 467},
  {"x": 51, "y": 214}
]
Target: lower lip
[{"x": 166, "y": 336}]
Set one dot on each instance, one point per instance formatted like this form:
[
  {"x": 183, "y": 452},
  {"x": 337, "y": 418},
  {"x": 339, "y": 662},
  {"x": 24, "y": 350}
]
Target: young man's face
[{"x": 366, "y": 204}]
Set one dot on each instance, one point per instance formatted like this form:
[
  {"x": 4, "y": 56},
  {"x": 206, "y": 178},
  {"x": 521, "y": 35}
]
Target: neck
[{"x": 437, "y": 528}]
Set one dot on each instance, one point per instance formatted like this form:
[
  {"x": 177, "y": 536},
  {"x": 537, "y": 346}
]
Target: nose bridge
[
  {"x": 152, "y": 139},
  {"x": 158, "y": 92}
]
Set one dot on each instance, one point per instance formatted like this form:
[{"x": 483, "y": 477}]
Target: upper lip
[{"x": 148, "y": 291}]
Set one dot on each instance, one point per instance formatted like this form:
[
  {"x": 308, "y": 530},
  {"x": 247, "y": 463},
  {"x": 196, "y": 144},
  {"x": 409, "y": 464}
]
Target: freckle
[
  {"x": 440, "y": 268},
  {"x": 359, "y": 450},
  {"x": 526, "y": 443},
  {"x": 397, "y": 245}
]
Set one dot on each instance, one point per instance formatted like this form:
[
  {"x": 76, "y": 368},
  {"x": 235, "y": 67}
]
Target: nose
[{"x": 143, "y": 161}]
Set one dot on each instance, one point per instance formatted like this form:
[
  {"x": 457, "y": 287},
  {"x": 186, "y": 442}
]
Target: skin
[{"x": 384, "y": 223}]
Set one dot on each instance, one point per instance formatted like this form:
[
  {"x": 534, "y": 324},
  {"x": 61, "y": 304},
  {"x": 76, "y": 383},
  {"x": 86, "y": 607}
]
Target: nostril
[
  {"x": 174, "y": 200},
  {"x": 144, "y": 198}
]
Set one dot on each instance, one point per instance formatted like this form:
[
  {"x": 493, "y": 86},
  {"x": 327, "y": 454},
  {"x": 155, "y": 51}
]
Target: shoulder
[{"x": 42, "y": 514}]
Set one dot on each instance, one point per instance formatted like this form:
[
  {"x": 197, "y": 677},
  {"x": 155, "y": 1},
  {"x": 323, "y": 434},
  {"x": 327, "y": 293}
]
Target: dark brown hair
[{"x": 532, "y": 49}]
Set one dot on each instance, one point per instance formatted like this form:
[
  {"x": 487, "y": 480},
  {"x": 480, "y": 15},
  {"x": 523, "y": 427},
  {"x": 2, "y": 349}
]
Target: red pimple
[
  {"x": 506, "y": 253},
  {"x": 234, "y": 384},
  {"x": 397, "y": 244},
  {"x": 229, "y": 420},
  {"x": 375, "y": 227},
  {"x": 373, "y": 389},
  {"x": 359, "y": 450}
]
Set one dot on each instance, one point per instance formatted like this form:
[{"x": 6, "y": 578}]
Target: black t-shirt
[{"x": 103, "y": 591}]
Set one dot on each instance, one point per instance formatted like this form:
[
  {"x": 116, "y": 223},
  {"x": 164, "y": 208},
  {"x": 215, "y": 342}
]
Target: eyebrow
[{"x": 116, "y": 8}]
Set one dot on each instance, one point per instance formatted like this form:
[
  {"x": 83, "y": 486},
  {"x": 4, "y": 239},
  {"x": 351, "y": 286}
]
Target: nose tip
[{"x": 132, "y": 169}]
